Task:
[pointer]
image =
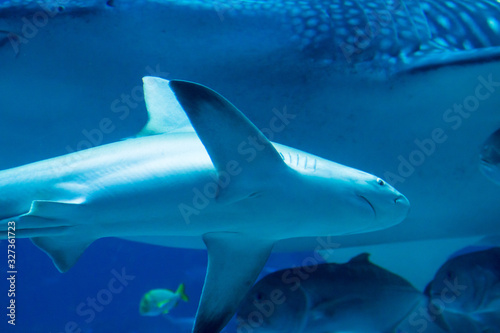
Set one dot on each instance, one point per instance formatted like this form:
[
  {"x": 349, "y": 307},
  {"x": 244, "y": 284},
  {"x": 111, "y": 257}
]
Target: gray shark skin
[{"x": 209, "y": 175}]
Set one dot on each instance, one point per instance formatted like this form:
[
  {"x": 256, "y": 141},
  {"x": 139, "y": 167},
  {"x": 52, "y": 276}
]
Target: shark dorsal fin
[
  {"x": 165, "y": 115},
  {"x": 235, "y": 146},
  {"x": 362, "y": 258}
]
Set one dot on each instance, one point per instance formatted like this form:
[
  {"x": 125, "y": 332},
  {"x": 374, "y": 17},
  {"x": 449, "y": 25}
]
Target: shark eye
[{"x": 381, "y": 182}]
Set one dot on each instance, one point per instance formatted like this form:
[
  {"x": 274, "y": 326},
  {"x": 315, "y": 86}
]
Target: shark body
[
  {"x": 387, "y": 90},
  {"x": 219, "y": 180}
]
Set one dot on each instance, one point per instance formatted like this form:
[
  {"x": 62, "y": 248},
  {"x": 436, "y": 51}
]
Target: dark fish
[
  {"x": 466, "y": 289},
  {"x": 490, "y": 158},
  {"x": 357, "y": 296}
]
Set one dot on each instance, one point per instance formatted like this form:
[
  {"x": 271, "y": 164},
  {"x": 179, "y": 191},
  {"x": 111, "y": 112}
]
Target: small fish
[
  {"x": 467, "y": 290},
  {"x": 160, "y": 301},
  {"x": 357, "y": 296},
  {"x": 490, "y": 158}
]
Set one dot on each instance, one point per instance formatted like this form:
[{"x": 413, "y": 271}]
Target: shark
[
  {"x": 199, "y": 169},
  {"x": 370, "y": 81}
]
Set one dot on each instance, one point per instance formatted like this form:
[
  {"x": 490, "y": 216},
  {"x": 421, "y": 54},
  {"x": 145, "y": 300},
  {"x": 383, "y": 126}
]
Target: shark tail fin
[{"x": 181, "y": 292}]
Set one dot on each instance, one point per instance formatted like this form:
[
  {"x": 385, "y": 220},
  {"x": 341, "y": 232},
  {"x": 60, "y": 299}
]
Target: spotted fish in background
[
  {"x": 81, "y": 63},
  {"x": 383, "y": 36},
  {"x": 400, "y": 34},
  {"x": 378, "y": 36}
]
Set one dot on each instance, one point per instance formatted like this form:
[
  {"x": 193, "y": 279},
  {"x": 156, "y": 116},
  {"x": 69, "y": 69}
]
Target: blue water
[
  {"x": 368, "y": 113},
  {"x": 48, "y": 301}
]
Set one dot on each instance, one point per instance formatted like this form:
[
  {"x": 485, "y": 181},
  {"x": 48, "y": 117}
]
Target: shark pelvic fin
[
  {"x": 234, "y": 263},
  {"x": 50, "y": 219},
  {"x": 64, "y": 251},
  {"x": 236, "y": 147},
  {"x": 165, "y": 115}
]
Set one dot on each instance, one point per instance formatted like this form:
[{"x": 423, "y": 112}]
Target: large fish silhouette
[{"x": 405, "y": 89}]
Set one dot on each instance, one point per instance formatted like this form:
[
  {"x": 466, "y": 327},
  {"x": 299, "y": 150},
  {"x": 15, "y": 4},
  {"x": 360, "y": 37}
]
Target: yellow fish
[{"x": 161, "y": 301}]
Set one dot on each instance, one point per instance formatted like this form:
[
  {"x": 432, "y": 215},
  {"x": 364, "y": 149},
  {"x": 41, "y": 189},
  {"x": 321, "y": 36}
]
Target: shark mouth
[{"x": 369, "y": 203}]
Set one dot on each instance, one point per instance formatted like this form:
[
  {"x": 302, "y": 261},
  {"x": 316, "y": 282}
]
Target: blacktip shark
[
  {"x": 199, "y": 169},
  {"x": 408, "y": 78}
]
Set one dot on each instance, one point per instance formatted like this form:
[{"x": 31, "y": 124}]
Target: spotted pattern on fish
[
  {"x": 353, "y": 33},
  {"x": 464, "y": 24},
  {"x": 385, "y": 31}
]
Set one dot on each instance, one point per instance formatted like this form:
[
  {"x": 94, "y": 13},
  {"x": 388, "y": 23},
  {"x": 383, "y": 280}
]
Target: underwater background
[{"x": 383, "y": 108}]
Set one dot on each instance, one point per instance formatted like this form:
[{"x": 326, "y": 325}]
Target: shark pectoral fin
[
  {"x": 49, "y": 226},
  {"x": 236, "y": 147},
  {"x": 234, "y": 263},
  {"x": 434, "y": 59},
  {"x": 164, "y": 112},
  {"x": 64, "y": 251}
]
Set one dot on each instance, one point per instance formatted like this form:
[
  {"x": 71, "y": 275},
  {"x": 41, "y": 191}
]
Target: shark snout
[
  {"x": 390, "y": 205},
  {"x": 402, "y": 206},
  {"x": 401, "y": 200}
]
